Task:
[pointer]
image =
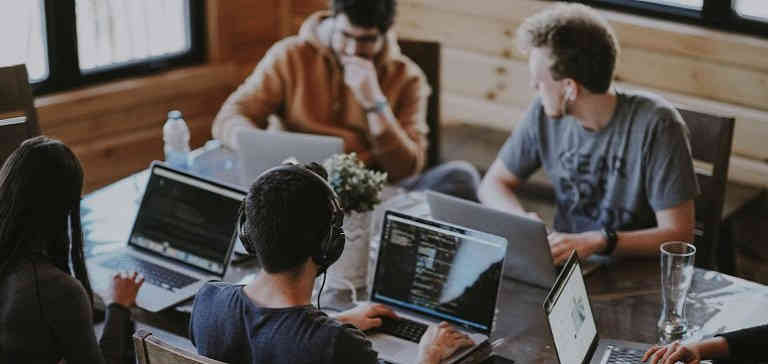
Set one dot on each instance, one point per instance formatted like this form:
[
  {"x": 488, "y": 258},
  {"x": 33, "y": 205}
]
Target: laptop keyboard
[
  {"x": 624, "y": 356},
  {"x": 403, "y": 328},
  {"x": 153, "y": 273}
]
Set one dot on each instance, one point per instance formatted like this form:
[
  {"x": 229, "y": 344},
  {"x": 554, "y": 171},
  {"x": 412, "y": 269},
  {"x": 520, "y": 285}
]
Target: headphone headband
[{"x": 332, "y": 245}]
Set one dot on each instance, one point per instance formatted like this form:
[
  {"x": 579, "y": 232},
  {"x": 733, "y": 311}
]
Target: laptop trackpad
[{"x": 394, "y": 349}]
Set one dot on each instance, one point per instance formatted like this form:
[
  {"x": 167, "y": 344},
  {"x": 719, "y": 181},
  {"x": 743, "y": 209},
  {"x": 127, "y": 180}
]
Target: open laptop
[
  {"x": 528, "y": 255},
  {"x": 428, "y": 272},
  {"x": 573, "y": 327},
  {"x": 182, "y": 237},
  {"x": 260, "y": 150}
]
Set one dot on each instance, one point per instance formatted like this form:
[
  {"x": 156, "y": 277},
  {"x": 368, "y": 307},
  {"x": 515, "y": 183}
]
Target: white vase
[{"x": 352, "y": 268}]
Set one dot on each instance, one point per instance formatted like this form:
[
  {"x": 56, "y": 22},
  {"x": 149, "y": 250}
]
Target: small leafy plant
[{"x": 358, "y": 187}]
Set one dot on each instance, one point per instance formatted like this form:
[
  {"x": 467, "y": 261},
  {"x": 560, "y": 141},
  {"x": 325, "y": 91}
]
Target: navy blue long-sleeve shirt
[{"x": 227, "y": 326}]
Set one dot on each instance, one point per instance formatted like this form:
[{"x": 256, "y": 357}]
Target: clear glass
[
  {"x": 22, "y": 34},
  {"x": 115, "y": 32},
  {"x": 676, "y": 274},
  {"x": 688, "y": 4},
  {"x": 754, "y": 9}
]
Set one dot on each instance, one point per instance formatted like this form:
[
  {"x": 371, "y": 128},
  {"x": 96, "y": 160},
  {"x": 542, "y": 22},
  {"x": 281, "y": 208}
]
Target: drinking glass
[{"x": 676, "y": 275}]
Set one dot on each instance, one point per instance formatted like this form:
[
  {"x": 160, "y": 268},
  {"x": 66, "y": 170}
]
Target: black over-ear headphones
[{"x": 332, "y": 245}]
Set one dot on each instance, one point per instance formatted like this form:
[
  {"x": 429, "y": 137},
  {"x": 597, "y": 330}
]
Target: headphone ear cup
[{"x": 337, "y": 245}]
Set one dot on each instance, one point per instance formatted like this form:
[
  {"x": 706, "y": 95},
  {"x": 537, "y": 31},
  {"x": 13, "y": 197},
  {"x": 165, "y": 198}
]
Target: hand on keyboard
[
  {"x": 366, "y": 316},
  {"x": 672, "y": 353},
  {"x": 124, "y": 288},
  {"x": 441, "y": 341}
]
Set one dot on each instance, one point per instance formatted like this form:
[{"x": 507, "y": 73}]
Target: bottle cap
[{"x": 174, "y": 114}]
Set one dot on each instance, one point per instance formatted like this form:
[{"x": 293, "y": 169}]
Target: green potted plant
[{"x": 358, "y": 189}]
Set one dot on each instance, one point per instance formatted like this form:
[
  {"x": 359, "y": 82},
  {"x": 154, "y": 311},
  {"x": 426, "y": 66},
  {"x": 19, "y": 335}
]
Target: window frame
[
  {"x": 64, "y": 66},
  {"x": 715, "y": 14}
]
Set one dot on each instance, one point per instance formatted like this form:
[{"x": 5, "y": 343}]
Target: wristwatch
[
  {"x": 377, "y": 107},
  {"x": 611, "y": 238}
]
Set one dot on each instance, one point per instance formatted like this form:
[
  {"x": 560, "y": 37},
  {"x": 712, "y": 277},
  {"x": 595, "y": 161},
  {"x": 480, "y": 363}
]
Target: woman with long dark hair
[{"x": 45, "y": 295}]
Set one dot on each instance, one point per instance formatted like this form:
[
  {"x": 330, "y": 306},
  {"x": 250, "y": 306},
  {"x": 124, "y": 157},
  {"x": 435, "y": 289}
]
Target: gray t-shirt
[{"x": 618, "y": 176}]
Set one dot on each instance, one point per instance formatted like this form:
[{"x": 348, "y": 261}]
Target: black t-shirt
[{"x": 227, "y": 326}]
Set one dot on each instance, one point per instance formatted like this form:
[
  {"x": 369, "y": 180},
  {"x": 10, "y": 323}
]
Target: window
[
  {"x": 756, "y": 9},
  {"x": 746, "y": 16},
  {"x": 27, "y": 19},
  {"x": 690, "y": 4},
  {"x": 82, "y": 42}
]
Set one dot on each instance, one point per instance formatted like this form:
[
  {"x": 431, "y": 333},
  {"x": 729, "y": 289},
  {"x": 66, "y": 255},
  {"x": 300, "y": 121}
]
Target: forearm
[
  {"x": 499, "y": 196},
  {"x": 395, "y": 151},
  {"x": 646, "y": 242},
  {"x": 714, "y": 348},
  {"x": 116, "y": 343}
]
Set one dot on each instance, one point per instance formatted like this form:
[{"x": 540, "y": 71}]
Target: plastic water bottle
[{"x": 176, "y": 138}]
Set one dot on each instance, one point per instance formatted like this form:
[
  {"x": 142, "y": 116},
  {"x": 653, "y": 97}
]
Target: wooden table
[{"x": 625, "y": 294}]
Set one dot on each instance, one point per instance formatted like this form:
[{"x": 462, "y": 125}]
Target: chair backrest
[
  {"x": 427, "y": 56},
  {"x": 18, "y": 118},
  {"x": 711, "y": 139},
  {"x": 151, "y": 349}
]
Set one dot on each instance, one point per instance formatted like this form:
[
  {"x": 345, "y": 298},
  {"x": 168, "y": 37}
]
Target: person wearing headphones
[
  {"x": 291, "y": 220},
  {"x": 343, "y": 75},
  {"x": 620, "y": 161},
  {"x": 46, "y": 301}
]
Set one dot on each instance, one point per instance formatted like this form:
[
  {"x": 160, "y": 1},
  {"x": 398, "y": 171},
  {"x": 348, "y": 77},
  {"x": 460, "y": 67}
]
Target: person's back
[
  {"x": 36, "y": 297},
  {"x": 45, "y": 304},
  {"x": 299, "y": 334},
  {"x": 271, "y": 319}
]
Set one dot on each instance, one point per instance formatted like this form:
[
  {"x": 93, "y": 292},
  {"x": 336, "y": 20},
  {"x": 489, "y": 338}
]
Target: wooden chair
[
  {"x": 18, "y": 118},
  {"x": 711, "y": 139},
  {"x": 151, "y": 349},
  {"x": 427, "y": 56}
]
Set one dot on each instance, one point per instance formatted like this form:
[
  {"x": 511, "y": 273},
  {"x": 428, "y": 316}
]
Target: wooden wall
[{"x": 116, "y": 128}]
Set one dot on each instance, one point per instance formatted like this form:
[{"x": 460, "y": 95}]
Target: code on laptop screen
[
  {"x": 441, "y": 270},
  {"x": 187, "y": 219}
]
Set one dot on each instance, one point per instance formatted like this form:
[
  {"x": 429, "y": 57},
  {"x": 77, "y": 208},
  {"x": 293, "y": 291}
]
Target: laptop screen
[
  {"x": 570, "y": 315},
  {"x": 187, "y": 219},
  {"x": 445, "y": 271}
]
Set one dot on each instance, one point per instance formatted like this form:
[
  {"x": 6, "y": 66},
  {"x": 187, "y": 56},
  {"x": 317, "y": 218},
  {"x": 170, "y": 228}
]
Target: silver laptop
[
  {"x": 428, "y": 272},
  {"x": 182, "y": 236},
  {"x": 573, "y": 328},
  {"x": 528, "y": 256},
  {"x": 260, "y": 150}
]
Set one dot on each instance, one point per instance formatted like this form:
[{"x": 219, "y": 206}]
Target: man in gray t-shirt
[{"x": 620, "y": 162}]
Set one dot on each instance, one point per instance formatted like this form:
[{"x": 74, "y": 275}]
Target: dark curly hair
[
  {"x": 288, "y": 214},
  {"x": 583, "y": 45},
  {"x": 378, "y": 14}
]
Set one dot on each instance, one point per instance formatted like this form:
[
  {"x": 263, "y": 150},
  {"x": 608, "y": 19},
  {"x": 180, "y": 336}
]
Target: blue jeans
[{"x": 455, "y": 178}]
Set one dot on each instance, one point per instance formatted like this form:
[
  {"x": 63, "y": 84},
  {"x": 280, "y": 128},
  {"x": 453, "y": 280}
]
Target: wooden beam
[{"x": 59, "y": 108}]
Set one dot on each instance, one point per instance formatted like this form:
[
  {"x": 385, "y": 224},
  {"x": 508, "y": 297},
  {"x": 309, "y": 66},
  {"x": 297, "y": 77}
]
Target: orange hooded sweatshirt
[{"x": 300, "y": 81}]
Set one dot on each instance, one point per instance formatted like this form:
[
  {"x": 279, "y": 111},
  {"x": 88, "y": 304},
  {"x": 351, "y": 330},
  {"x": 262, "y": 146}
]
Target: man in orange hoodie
[{"x": 343, "y": 75}]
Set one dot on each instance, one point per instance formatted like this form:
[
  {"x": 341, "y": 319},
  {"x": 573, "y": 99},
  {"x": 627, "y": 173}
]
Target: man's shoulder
[
  {"x": 656, "y": 107},
  {"x": 293, "y": 46},
  {"x": 212, "y": 291}
]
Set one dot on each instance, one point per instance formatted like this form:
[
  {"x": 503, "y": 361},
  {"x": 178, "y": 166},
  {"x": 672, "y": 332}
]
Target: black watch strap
[{"x": 611, "y": 238}]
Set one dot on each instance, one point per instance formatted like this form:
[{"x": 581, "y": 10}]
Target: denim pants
[{"x": 455, "y": 178}]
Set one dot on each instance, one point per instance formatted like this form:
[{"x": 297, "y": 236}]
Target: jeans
[{"x": 455, "y": 178}]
